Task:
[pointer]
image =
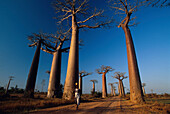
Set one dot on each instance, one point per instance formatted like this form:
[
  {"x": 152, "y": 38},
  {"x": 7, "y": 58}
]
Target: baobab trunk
[
  {"x": 54, "y": 81},
  {"x": 122, "y": 89},
  {"x": 119, "y": 89},
  {"x": 114, "y": 92},
  {"x": 136, "y": 94},
  {"x": 80, "y": 84},
  {"x": 104, "y": 88},
  {"x": 30, "y": 86},
  {"x": 143, "y": 90},
  {"x": 93, "y": 87},
  {"x": 73, "y": 63},
  {"x": 6, "y": 92},
  {"x": 111, "y": 90}
]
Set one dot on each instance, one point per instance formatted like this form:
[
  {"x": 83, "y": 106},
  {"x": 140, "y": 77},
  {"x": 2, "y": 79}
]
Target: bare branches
[
  {"x": 11, "y": 77},
  {"x": 48, "y": 72},
  {"x": 92, "y": 16},
  {"x": 104, "y": 69},
  {"x": 49, "y": 41},
  {"x": 80, "y": 9},
  {"x": 158, "y": 3},
  {"x": 120, "y": 75},
  {"x": 84, "y": 73},
  {"x": 127, "y": 7},
  {"x": 143, "y": 84},
  {"x": 94, "y": 81}
]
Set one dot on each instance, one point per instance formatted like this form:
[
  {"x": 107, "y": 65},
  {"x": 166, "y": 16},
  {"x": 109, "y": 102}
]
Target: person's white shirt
[{"x": 77, "y": 96}]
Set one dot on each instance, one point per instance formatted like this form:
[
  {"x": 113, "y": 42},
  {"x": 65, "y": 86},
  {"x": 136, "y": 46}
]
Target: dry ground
[
  {"x": 108, "y": 106},
  {"x": 154, "y": 104}
]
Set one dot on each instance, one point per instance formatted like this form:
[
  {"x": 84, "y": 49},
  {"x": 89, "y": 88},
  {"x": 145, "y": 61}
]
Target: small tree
[
  {"x": 143, "y": 88},
  {"x": 81, "y": 75},
  {"x": 120, "y": 76},
  {"x": 104, "y": 70},
  {"x": 42, "y": 84},
  {"x": 10, "y": 78},
  {"x": 127, "y": 8},
  {"x": 94, "y": 81}
]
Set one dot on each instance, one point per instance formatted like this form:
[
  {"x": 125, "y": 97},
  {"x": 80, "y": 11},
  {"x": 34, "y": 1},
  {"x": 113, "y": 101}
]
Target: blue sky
[{"x": 101, "y": 46}]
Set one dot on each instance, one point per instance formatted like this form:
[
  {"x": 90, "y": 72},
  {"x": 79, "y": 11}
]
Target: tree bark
[
  {"x": 93, "y": 87},
  {"x": 136, "y": 94},
  {"x": 30, "y": 86},
  {"x": 114, "y": 92},
  {"x": 6, "y": 92},
  {"x": 104, "y": 88},
  {"x": 143, "y": 91},
  {"x": 73, "y": 63},
  {"x": 55, "y": 74},
  {"x": 111, "y": 90},
  {"x": 122, "y": 89},
  {"x": 80, "y": 84}
]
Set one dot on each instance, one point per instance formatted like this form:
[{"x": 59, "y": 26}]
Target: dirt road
[{"x": 105, "y": 106}]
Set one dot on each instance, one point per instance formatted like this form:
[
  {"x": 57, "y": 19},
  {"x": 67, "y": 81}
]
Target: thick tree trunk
[
  {"x": 80, "y": 84},
  {"x": 30, "y": 86},
  {"x": 143, "y": 90},
  {"x": 104, "y": 88},
  {"x": 73, "y": 63},
  {"x": 93, "y": 87},
  {"x": 122, "y": 89},
  {"x": 55, "y": 74},
  {"x": 111, "y": 90},
  {"x": 114, "y": 92},
  {"x": 6, "y": 92},
  {"x": 136, "y": 94}
]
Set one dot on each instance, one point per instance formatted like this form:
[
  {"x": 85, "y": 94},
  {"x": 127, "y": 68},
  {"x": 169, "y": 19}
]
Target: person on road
[{"x": 77, "y": 96}]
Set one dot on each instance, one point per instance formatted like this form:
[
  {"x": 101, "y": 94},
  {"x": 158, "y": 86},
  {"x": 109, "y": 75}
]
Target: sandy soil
[{"x": 105, "y": 106}]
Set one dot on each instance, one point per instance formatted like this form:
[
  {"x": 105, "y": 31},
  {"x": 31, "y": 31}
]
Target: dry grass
[{"x": 16, "y": 103}]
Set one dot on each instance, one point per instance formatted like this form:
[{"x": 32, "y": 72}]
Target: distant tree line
[{"x": 11, "y": 90}]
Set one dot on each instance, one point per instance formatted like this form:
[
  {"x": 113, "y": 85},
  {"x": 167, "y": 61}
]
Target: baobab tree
[
  {"x": 126, "y": 8},
  {"x": 114, "y": 90},
  {"x": 10, "y": 78},
  {"x": 94, "y": 81},
  {"x": 77, "y": 14},
  {"x": 81, "y": 75},
  {"x": 111, "y": 84},
  {"x": 104, "y": 70},
  {"x": 55, "y": 73},
  {"x": 41, "y": 41},
  {"x": 143, "y": 88},
  {"x": 117, "y": 86},
  {"x": 120, "y": 76}
]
